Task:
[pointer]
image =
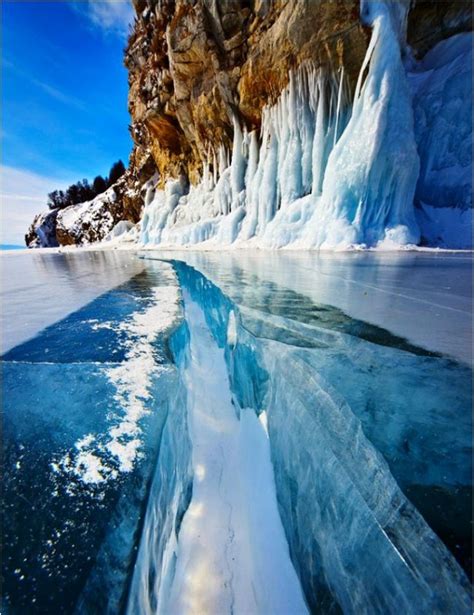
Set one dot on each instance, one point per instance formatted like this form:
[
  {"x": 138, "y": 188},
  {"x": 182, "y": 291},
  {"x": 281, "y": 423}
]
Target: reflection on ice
[
  {"x": 425, "y": 298},
  {"x": 30, "y": 281}
]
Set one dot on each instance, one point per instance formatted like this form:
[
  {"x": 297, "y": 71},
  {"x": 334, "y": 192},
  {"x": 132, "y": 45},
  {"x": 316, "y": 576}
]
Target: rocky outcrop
[
  {"x": 93, "y": 220},
  {"x": 42, "y": 232}
]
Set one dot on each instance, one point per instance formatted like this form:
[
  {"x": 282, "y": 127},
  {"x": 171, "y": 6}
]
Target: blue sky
[{"x": 64, "y": 100}]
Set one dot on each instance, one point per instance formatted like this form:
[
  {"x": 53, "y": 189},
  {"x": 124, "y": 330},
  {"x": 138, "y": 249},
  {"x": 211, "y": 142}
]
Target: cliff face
[
  {"x": 200, "y": 68},
  {"x": 194, "y": 64}
]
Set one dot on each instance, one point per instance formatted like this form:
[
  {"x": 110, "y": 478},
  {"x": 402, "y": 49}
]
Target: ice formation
[
  {"x": 442, "y": 97},
  {"x": 240, "y": 485},
  {"x": 213, "y": 540},
  {"x": 330, "y": 172}
]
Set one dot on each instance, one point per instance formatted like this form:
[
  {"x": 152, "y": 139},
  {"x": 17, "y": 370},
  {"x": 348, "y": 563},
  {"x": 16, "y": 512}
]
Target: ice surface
[
  {"x": 38, "y": 289},
  {"x": 273, "y": 452}
]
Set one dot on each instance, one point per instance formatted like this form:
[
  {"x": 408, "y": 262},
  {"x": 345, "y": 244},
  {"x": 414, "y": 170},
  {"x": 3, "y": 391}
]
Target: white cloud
[
  {"x": 55, "y": 93},
  {"x": 23, "y": 194},
  {"x": 46, "y": 87},
  {"x": 109, "y": 15}
]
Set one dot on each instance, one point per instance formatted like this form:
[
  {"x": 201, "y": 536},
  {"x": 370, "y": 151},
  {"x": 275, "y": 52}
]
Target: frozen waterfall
[{"x": 329, "y": 170}]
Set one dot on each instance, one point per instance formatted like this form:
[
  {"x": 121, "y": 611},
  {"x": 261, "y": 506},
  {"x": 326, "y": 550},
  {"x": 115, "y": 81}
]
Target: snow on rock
[
  {"x": 90, "y": 221},
  {"x": 111, "y": 215},
  {"x": 42, "y": 232}
]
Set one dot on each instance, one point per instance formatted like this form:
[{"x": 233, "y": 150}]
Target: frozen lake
[
  {"x": 249, "y": 432},
  {"x": 425, "y": 297}
]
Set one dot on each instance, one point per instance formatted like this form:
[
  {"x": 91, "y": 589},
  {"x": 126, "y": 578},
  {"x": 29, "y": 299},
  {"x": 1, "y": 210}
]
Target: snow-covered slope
[
  {"x": 89, "y": 221},
  {"x": 109, "y": 216},
  {"x": 42, "y": 232}
]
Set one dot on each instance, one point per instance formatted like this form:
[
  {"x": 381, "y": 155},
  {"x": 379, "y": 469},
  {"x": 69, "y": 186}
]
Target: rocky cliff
[
  {"x": 195, "y": 64},
  {"x": 199, "y": 68}
]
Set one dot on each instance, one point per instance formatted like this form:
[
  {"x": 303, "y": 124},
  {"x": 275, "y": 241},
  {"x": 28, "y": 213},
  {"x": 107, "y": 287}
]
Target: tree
[
  {"x": 54, "y": 200},
  {"x": 99, "y": 185},
  {"x": 73, "y": 194},
  {"x": 82, "y": 191},
  {"x": 116, "y": 172},
  {"x": 86, "y": 193}
]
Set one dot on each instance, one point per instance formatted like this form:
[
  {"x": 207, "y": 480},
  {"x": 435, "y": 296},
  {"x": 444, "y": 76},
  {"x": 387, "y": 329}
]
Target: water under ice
[{"x": 341, "y": 484}]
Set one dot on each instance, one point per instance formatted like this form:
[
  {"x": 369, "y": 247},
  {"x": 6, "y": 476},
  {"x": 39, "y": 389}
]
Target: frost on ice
[{"x": 101, "y": 457}]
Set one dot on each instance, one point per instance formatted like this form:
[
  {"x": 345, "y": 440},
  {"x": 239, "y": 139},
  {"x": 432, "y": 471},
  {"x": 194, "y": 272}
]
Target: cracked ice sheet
[{"x": 232, "y": 554}]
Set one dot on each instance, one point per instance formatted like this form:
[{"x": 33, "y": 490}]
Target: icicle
[
  {"x": 223, "y": 164},
  {"x": 319, "y": 137},
  {"x": 305, "y": 119},
  {"x": 238, "y": 164},
  {"x": 262, "y": 183},
  {"x": 339, "y": 102},
  {"x": 252, "y": 160},
  {"x": 214, "y": 167},
  {"x": 371, "y": 174}
]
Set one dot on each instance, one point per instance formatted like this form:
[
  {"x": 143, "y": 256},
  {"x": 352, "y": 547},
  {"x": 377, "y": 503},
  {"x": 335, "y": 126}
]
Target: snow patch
[{"x": 101, "y": 457}]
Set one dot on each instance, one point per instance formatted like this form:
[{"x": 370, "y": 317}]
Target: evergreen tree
[
  {"x": 54, "y": 199},
  {"x": 83, "y": 191},
  {"x": 116, "y": 172},
  {"x": 73, "y": 194},
  {"x": 99, "y": 185},
  {"x": 62, "y": 199},
  {"x": 86, "y": 191}
]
